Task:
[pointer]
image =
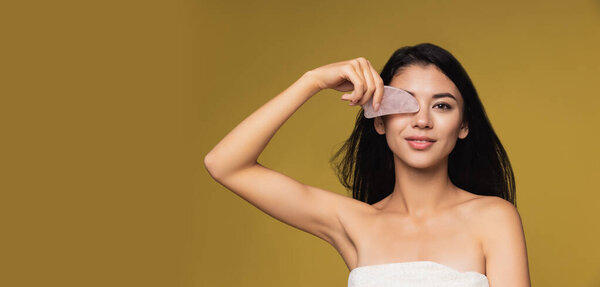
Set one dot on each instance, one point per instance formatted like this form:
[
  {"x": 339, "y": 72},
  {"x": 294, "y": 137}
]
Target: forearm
[{"x": 242, "y": 146}]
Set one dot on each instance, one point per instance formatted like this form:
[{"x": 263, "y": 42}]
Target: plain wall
[{"x": 109, "y": 107}]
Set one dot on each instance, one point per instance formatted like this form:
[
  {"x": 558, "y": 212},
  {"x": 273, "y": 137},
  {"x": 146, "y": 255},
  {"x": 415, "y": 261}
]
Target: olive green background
[{"x": 109, "y": 107}]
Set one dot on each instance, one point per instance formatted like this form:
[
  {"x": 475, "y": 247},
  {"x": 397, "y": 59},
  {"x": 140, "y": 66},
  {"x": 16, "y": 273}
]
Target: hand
[{"x": 355, "y": 75}]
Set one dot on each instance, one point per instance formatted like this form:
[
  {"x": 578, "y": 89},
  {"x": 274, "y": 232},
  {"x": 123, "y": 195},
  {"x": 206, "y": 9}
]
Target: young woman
[{"x": 433, "y": 201}]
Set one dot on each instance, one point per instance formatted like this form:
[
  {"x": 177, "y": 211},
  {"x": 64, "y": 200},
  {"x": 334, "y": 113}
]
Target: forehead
[{"x": 424, "y": 81}]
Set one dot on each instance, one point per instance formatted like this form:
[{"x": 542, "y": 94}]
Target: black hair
[{"x": 478, "y": 163}]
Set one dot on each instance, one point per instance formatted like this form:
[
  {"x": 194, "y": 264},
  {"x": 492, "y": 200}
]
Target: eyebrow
[{"x": 437, "y": 96}]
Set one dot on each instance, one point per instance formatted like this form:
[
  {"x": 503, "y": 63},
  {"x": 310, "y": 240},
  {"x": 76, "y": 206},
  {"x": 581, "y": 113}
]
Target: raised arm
[
  {"x": 233, "y": 161},
  {"x": 241, "y": 148}
]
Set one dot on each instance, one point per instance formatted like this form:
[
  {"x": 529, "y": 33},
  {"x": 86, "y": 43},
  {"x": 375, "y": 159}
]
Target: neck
[{"x": 420, "y": 191}]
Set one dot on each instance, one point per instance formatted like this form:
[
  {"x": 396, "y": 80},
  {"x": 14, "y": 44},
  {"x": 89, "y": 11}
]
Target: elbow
[
  {"x": 219, "y": 168},
  {"x": 209, "y": 165}
]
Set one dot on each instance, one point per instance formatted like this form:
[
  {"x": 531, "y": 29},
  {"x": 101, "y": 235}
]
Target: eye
[{"x": 445, "y": 106}]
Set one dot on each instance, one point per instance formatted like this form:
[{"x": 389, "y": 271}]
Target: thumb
[{"x": 346, "y": 96}]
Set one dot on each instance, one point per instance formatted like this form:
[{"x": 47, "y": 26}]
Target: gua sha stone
[{"x": 394, "y": 101}]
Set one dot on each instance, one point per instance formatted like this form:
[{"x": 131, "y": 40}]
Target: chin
[
  {"x": 421, "y": 162},
  {"x": 420, "y": 165}
]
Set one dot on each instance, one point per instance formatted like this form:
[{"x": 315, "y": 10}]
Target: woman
[{"x": 435, "y": 213}]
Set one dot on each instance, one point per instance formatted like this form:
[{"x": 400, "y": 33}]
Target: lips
[
  {"x": 420, "y": 138},
  {"x": 420, "y": 142},
  {"x": 420, "y": 145}
]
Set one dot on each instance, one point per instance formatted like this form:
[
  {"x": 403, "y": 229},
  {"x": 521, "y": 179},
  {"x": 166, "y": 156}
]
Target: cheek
[
  {"x": 448, "y": 131},
  {"x": 395, "y": 129},
  {"x": 397, "y": 125}
]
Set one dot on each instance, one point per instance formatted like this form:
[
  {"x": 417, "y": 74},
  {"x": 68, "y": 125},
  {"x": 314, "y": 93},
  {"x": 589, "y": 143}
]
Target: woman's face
[{"x": 438, "y": 118}]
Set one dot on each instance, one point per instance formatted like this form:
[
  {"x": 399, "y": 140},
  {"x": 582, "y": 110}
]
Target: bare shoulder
[
  {"x": 491, "y": 200},
  {"x": 497, "y": 217},
  {"x": 489, "y": 215},
  {"x": 500, "y": 228},
  {"x": 494, "y": 209},
  {"x": 491, "y": 212}
]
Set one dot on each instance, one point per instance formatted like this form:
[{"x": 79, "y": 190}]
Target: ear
[
  {"x": 464, "y": 131},
  {"x": 379, "y": 126}
]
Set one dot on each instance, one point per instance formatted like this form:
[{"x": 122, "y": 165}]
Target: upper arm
[
  {"x": 504, "y": 245},
  {"x": 305, "y": 207}
]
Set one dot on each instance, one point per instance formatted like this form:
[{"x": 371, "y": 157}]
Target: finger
[
  {"x": 378, "y": 96},
  {"x": 360, "y": 94},
  {"x": 368, "y": 75},
  {"x": 357, "y": 82}
]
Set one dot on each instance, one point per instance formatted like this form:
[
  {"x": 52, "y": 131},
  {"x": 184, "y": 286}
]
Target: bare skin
[
  {"x": 425, "y": 218},
  {"x": 449, "y": 236}
]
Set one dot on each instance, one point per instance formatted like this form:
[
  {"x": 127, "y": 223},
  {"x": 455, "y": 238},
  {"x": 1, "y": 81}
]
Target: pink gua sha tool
[{"x": 394, "y": 101}]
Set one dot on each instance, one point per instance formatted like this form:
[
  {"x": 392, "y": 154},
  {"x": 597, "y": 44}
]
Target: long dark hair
[{"x": 478, "y": 163}]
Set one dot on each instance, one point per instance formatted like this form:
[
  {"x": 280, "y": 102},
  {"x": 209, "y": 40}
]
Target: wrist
[{"x": 310, "y": 83}]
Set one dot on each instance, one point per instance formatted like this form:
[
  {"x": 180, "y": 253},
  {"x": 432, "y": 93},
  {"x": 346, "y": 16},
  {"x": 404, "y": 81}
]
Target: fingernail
[{"x": 376, "y": 106}]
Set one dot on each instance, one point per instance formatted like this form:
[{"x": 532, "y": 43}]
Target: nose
[{"x": 422, "y": 118}]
